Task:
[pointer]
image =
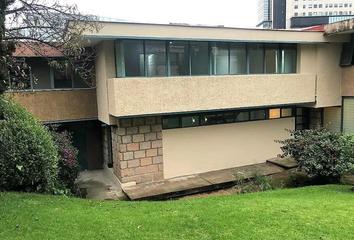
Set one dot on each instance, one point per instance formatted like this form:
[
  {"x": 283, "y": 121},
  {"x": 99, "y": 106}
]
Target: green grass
[{"x": 321, "y": 212}]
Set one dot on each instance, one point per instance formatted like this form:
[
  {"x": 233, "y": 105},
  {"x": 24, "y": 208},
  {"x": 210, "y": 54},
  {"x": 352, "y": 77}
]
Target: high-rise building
[{"x": 285, "y": 14}]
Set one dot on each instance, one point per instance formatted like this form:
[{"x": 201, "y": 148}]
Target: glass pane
[
  {"x": 170, "y": 123},
  {"x": 190, "y": 121},
  {"x": 288, "y": 58},
  {"x": 274, "y": 113},
  {"x": 40, "y": 73},
  {"x": 272, "y": 55},
  {"x": 287, "y": 112},
  {"x": 200, "y": 58},
  {"x": 258, "y": 114},
  {"x": 256, "y": 58},
  {"x": 119, "y": 51},
  {"x": 298, "y": 111},
  {"x": 179, "y": 58},
  {"x": 229, "y": 117},
  {"x": 155, "y": 58},
  {"x": 238, "y": 60},
  {"x": 299, "y": 127},
  {"x": 220, "y": 58},
  {"x": 299, "y": 120},
  {"x": 242, "y": 116},
  {"x": 134, "y": 58},
  {"x": 62, "y": 78},
  {"x": 208, "y": 119}
]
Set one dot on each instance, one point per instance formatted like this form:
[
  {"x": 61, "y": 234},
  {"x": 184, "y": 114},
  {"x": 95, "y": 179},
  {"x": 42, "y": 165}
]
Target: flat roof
[{"x": 131, "y": 30}]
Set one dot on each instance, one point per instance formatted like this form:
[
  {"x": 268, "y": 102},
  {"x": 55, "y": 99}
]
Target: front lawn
[{"x": 321, "y": 212}]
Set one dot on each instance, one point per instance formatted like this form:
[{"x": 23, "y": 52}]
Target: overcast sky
[{"x": 236, "y": 13}]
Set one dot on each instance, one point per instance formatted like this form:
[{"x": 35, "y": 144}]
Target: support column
[{"x": 137, "y": 150}]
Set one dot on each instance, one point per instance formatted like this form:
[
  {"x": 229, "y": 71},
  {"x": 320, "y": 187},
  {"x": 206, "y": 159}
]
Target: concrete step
[{"x": 203, "y": 182}]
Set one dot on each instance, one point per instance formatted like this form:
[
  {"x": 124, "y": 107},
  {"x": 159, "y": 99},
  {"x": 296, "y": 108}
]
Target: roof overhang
[
  {"x": 114, "y": 30},
  {"x": 345, "y": 27}
]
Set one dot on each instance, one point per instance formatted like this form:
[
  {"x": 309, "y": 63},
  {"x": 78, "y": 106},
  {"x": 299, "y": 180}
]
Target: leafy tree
[{"x": 43, "y": 27}]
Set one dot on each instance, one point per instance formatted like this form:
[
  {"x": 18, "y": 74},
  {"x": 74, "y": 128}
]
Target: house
[{"x": 176, "y": 100}]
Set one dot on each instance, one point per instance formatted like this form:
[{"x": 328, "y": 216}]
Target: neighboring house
[
  {"x": 178, "y": 100},
  {"x": 286, "y": 14}
]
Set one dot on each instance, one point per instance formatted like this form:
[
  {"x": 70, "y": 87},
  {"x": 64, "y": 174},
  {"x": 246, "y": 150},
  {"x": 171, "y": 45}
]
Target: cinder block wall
[{"x": 137, "y": 150}]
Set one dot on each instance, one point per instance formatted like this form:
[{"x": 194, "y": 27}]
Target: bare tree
[{"x": 42, "y": 27}]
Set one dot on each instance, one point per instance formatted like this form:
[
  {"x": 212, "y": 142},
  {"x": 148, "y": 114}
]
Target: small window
[
  {"x": 286, "y": 112},
  {"x": 242, "y": 116},
  {"x": 190, "y": 121},
  {"x": 170, "y": 123},
  {"x": 258, "y": 114},
  {"x": 274, "y": 113}
]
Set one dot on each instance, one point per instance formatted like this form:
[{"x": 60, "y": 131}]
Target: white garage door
[{"x": 332, "y": 116}]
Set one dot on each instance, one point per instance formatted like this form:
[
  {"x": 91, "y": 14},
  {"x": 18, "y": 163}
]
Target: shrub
[
  {"x": 325, "y": 156},
  {"x": 257, "y": 183},
  {"x": 28, "y": 156},
  {"x": 68, "y": 167}
]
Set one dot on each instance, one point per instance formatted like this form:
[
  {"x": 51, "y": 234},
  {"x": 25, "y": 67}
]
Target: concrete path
[
  {"x": 203, "y": 182},
  {"x": 99, "y": 184}
]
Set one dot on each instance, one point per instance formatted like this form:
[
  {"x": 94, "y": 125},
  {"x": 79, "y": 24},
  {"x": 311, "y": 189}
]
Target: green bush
[
  {"x": 325, "y": 156},
  {"x": 28, "y": 156},
  {"x": 257, "y": 183},
  {"x": 68, "y": 167}
]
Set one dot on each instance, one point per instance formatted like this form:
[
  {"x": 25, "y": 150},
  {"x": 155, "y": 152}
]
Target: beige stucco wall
[
  {"x": 323, "y": 60},
  {"x": 129, "y": 30},
  {"x": 59, "y": 105},
  {"x": 348, "y": 81},
  {"x": 329, "y": 75},
  {"x": 138, "y": 96},
  {"x": 202, "y": 149},
  {"x": 105, "y": 68}
]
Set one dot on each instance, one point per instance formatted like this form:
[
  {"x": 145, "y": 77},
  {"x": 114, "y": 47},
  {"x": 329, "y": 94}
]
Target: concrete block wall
[{"x": 137, "y": 150}]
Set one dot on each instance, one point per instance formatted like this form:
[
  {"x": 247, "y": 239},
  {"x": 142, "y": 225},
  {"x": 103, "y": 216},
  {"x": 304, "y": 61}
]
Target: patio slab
[{"x": 197, "y": 183}]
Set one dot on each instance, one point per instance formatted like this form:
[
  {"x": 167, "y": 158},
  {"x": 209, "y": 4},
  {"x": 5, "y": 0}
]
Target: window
[
  {"x": 170, "y": 122},
  {"x": 272, "y": 57},
  {"x": 147, "y": 58},
  {"x": 242, "y": 116},
  {"x": 326, "y": 5},
  {"x": 345, "y": 4},
  {"x": 315, "y": 6},
  {"x": 62, "y": 79},
  {"x": 288, "y": 58},
  {"x": 336, "y": 5},
  {"x": 220, "y": 58},
  {"x": 341, "y": 5},
  {"x": 274, "y": 113},
  {"x": 286, "y": 112},
  {"x": 319, "y": 5},
  {"x": 296, "y": 14},
  {"x": 296, "y": 6},
  {"x": 258, "y": 114},
  {"x": 155, "y": 58},
  {"x": 256, "y": 58},
  {"x": 236, "y": 116},
  {"x": 310, "y": 5},
  {"x": 238, "y": 59},
  {"x": 190, "y": 121},
  {"x": 310, "y": 14},
  {"x": 179, "y": 58},
  {"x": 330, "y": 5},
  {"x": 133, "y": 58},
  {"x": 304, "y": 6},
  {"x": 199, "y": 58}
]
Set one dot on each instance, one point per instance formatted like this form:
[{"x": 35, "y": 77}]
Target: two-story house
[{"x": 176, "y": 100}]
